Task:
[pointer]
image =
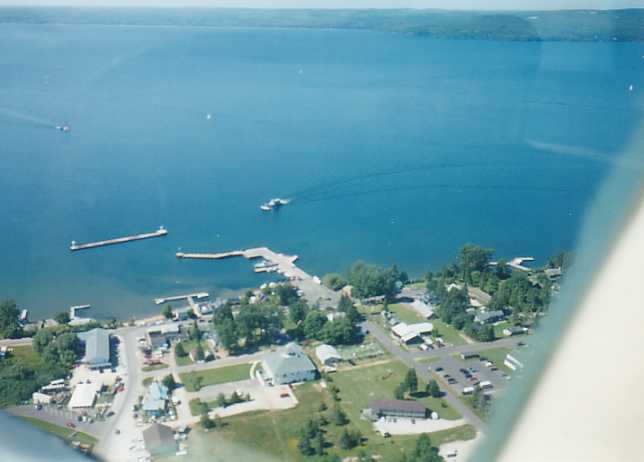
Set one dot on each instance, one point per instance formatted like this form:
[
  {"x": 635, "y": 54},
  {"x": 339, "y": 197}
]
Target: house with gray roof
[
  {"x": 396, "y": 408},
  {"x": 159, "y": 440},
  {"x": 488, "y": 317},
  {"x": 97, "y": 348},
  {"x": 289, "y": 365}
]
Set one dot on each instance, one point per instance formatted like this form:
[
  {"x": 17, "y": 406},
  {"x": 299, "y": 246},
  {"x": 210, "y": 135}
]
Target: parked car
[{"x": 71, "y": 424}]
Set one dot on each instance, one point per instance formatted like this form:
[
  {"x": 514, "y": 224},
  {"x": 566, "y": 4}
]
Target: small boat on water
[
  {"x": 274, "y": 204},
  {"x": 63, "y": 128}
]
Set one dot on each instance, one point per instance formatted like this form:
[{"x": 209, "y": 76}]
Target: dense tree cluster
[
  {"x": 334, "y": 281},
  {"x": 311, "y": 441},
  {"x": 9, "y": 323},
  {"x": 408, "y": 385},
  {"x": 252, "y": 326},
  {"x": 57, "y": 350},
  {"x": 370, "y": 280}
]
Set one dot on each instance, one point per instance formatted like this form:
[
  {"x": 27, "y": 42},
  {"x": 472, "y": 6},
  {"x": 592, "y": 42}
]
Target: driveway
[{"x": 401, "y": 426}]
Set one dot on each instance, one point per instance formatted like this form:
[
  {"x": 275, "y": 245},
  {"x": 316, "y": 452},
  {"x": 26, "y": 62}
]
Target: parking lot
[{"x": 460, "y": 374}]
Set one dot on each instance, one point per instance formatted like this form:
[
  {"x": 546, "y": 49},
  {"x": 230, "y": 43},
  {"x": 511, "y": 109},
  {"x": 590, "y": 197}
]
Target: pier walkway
[
  {"x": 313, "y": 290},
  {"x": 119, "y": 240}
]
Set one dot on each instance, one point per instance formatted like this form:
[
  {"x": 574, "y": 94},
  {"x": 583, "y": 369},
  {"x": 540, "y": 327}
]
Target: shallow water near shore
[{"x": 396, "y": 149}]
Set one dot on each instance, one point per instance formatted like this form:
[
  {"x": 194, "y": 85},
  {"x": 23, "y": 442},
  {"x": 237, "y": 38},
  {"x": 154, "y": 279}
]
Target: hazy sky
[{"x": 446, "y": 4}]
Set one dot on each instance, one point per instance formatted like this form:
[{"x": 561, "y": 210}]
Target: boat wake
[{"x": 26, "y": 119}]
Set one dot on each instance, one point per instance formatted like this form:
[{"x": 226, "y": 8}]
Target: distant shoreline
[{"x": 618, "y": 25}]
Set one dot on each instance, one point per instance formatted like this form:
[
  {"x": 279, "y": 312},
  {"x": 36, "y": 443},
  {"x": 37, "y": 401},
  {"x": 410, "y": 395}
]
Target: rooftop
[
  {"x": 290, "y": 360},
  {"x": 157, "y": 435},
  {"x": 396, "y": 405},
  {"x": 325, "y": 352},
  {"x": 97, "y": 346}
]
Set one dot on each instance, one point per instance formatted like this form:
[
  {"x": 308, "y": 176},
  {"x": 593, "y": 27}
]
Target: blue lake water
[{"x": 397, "y": 149}]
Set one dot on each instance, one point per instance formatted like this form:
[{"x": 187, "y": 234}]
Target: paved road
[
  {"x": 113, "y": 447},
  {"x": 15, "y": 342},
  {"x": 228, "y": 361},
  {"x": 409, "y": 359}
]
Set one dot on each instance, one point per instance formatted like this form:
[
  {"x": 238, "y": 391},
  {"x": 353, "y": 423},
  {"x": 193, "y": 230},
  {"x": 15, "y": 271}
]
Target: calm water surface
[{"x": 396, "y": 149}]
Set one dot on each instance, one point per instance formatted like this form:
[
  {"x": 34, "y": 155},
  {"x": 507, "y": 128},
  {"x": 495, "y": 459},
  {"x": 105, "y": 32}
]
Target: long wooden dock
[
  {"x": 210, "y": 256},
  {"x": 120, "y": 240}
]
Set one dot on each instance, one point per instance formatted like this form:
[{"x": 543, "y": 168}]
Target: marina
[
  {"x": 120, "y": 240},
  {"x": 280, "y": 263}
]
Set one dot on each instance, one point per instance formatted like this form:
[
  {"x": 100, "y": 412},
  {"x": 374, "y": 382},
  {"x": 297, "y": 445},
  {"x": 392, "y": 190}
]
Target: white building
[
  {"x": 84, "y": 396},
  {"x": 412, "y": 332},
  {"x": 40, "y": 398},
  {"x": 512, "y": 362},
  {"x": 288, "y": 366},
  {"x": 328, "y": 355}
]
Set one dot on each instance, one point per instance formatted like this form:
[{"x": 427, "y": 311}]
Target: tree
[
  {"x": 62, "y": 317},
  {"x": 370, "y": 280},
  {"x": 338, "y": 416},
  {"x": 228, "y": 335},
  {"x": 199, "y": 353},
  {"x": 169, "y": 382},
  {"x": 433, "y": 389},
  {"x": 339, "y": 332},
  {"x": 345, "y": 440},
  {"x": 221, "y": 400},
  {"x": 193, "y": 332},
  {"x": 180, "y": 351},
  {"x": 334, "y": 281},
  {"x": 399, "y": 392},
  {"x": 319, "y": 443},
  {"x": 9, "y": 320},
  {"x": 286, "y": 294},
  {"x": 167, "y": 312},
  {"x": 304, "y": 445},
  {"x": 297, "y": 311},
  {"x": 313, "y": 324},
  {"x": 206, "y": 422},
  {"x": 473, "y": 258},
  {"x": 411, "y": 381}
]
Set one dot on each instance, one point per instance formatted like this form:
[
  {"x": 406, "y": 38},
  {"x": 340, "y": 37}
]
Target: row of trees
[
  {"x": 409, "y": 386},
  {"x": 314, "y": 324},
  {"x": 312, "y": 436},
  {"x": 423, "y": 451}
]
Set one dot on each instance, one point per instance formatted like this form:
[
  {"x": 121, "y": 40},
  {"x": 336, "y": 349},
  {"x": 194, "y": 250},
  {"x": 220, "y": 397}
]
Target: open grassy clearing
[
  {"x": 65, "y": 433},
  {"x": 188, "y": 345},
  {"x": 156, "y": 367},
  {"x": 380, "y": 381},
  {"x": 215, "y": 376},
  {"x": 261, "y": 435}
]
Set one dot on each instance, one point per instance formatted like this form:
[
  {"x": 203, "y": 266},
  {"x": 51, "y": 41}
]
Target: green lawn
[
  {"x": 380, "y": 381},
  {"x": 156, "y": 367},
  {"x": 406, "y": 313},
  {"x": 62, "y": 432},
  {"x": 26, "y": 355},
  {"x": 449, "y": 333},
  {"x": 216, "y": 376},
  {"x": 417, "y": 285},
  {"x": 188, "y": 345},
  {"x": 261, "y": 435},
  {"x": 497, "y": 356}
]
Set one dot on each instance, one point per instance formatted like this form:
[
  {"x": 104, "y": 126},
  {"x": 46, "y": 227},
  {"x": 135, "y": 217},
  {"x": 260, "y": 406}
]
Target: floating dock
[
  {"x": 174, "y": 298},
  {"x": 517, "y": 263},
  {"x": 120, "y": 240}
]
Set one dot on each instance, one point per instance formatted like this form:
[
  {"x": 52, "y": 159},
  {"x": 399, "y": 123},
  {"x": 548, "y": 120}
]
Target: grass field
[
  {"x": 26, "y": 355},
  {"x": 61, "y": 432},
  {"x": 381, "y": 381},
  {"x": 215, "y": 376},
  {"x": 156, "y": 367},
  {"x": 497, "y": 356},
  {"x": 188, "y": 345},
  {"x": 260, "y": 435}
]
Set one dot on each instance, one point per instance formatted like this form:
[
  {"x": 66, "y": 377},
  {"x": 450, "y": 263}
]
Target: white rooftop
[{"x": 84, "y": 395}]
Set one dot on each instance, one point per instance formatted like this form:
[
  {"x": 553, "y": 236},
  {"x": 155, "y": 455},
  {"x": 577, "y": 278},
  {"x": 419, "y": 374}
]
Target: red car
[{"x": 71, "y": 425}]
